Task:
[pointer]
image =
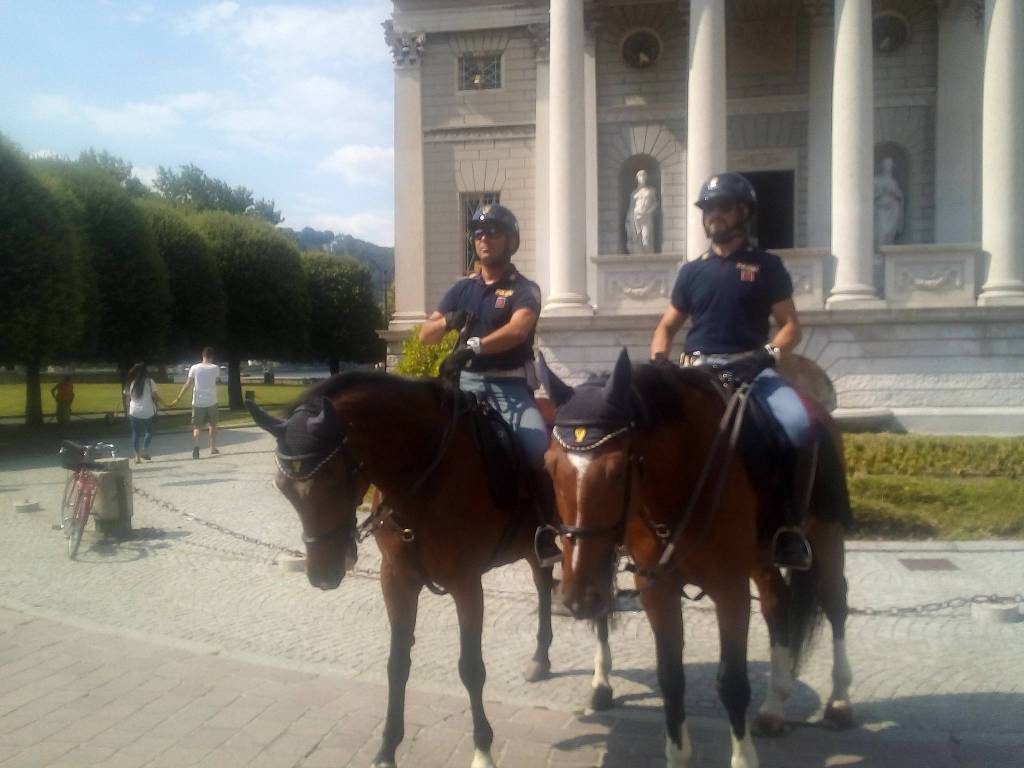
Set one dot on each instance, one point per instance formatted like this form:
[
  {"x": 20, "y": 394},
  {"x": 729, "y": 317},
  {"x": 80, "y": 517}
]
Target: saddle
[{"x": 500, "y": 453}]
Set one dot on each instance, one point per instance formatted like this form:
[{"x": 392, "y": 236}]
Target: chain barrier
[{"x": 951, "y": 604}]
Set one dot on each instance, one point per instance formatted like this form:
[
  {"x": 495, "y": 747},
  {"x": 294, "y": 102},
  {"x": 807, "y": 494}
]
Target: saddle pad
[{"x": 500, "y": 455}]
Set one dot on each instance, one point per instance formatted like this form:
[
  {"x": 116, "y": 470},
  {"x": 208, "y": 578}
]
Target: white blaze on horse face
[
  {"x": 743, "y": 753},
  {"x": 781, "y": 683},
  {"x": 580, "y": 463},
  {"x": 602, "y": 666},
  {"x": 679, "y": 757}
]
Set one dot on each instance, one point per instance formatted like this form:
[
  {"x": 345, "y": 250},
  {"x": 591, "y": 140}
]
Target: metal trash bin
[
  {"x": 113, "y": 507},
  {"x": 268, "y": 377}
]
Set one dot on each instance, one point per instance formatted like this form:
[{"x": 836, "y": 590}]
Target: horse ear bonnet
[{"x": 310, "y": 429}]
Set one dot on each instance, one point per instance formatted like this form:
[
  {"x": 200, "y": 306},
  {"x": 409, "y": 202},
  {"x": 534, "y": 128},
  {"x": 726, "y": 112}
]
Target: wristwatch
[
  {"x": 473, "y": 342},
  {"x": 774, "y": 351}
]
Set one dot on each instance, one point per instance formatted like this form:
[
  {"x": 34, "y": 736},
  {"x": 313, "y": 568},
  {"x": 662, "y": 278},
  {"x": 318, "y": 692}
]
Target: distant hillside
[{"x": 378, "y": 259}]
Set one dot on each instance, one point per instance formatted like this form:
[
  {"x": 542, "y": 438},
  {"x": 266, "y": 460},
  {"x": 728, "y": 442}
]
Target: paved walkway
[{"x": 189, "y": 645}]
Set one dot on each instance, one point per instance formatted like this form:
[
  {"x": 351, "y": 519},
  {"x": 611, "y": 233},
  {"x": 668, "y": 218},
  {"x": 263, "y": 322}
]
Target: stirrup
[
  {"x": 796, "y": 561},
  {"x": 554, "y": 556}
]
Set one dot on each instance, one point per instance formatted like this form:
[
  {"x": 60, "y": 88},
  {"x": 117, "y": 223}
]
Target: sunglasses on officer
[
  {"x": 725, "y": 206},
  {"x": 490, "y": 231}
]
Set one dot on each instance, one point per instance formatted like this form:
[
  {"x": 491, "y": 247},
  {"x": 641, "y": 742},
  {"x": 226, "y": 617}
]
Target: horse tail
[{"x": 804, "y": 611}]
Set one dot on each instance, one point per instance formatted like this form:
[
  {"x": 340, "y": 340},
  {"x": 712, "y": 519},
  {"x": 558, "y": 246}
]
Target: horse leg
[
  {"x": 601, "y": 697},
  {"x": 539, "y": 667},
  {"x": 838, "y": 710},
  {"x": 733, "y": 608},
  {"x": 771, "y": 587},
  {"x": 469, "y": 603},
  {"x": 401, "y": 596},
  {"x": 664, "y": 612}
]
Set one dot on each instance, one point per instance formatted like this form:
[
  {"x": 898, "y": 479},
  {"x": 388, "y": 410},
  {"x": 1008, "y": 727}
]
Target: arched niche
[
  {"x": 901, "y": 172},
  {"x": 627, "y": 185}
]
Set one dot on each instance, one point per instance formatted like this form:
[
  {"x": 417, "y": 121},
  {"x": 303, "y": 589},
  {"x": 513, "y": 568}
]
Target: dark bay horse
[
  {"x": 636, "y": 461},
  {"x": 436, "y": 522}
]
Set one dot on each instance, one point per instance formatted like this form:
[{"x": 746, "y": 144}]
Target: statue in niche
[
  {"x": 643, "y": 204},
  {"x": 888, "y": 205}
]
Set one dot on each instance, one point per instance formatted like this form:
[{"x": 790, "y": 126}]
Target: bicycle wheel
[
  {"x": 69, "y": 501},
  {"x": 76, "y": 526}
]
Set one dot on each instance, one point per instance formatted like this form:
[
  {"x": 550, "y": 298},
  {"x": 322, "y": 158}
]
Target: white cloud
[
  {"x": 130, "y": 119},
  {"x": 44, "y": 154},
  {"x": 206, "y": 17},
  {"x": 376, "y": 226},
  {"x": 361, "y": 164},
  {"x": 145, "y": 173}
]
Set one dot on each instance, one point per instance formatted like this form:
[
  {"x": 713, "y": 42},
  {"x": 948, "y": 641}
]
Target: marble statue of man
[
  {"x": 888, "y": 205},
  {"x": 640, "y": 216}
]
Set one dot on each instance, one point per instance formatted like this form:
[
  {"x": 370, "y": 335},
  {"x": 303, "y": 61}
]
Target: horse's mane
[
  {"x": 340, "y": 382},
  {"x": 661, "y": 391}
]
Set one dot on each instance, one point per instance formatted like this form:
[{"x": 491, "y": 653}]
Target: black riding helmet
[
  {"x": 729, "y": 187},
  {"x": 492, "y": 213}
]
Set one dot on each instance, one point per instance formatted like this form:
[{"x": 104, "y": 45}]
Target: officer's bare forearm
[
  {"x": 432, "y": 330},
  {"x": 668, "y": 327},
  {"x": 788, "y": 336}
]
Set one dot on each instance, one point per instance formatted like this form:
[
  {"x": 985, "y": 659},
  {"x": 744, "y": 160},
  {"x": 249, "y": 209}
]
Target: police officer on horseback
[
  {"x": 498, "y": 308},
  {"x": 730, "y": 293}
]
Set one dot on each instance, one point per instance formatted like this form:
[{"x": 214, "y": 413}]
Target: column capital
[
  {"x": 953, "y": 8},
  {"x": 540, "y": 38},
  {"x": 406, "y": 47}
]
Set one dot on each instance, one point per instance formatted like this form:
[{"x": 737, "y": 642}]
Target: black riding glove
[
  {"x": 455, "y": 320},
  {"x": 661, "y": 360},
  {"x": 747, "y": 368},
  {"x": 456, "y": 360}
]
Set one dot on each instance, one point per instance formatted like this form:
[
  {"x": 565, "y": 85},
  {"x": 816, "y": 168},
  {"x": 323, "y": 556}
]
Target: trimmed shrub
[{"x": 423, "y": 360}]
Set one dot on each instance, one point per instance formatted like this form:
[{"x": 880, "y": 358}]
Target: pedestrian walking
[
  {"x": 143, "y": 399},
  {"x": 64, "y": 393},
  {"x": 202, "y": 377}
]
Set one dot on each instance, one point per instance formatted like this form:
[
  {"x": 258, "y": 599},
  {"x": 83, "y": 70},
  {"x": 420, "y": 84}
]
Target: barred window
[
  {"x": 479, "y": 71},
  {"x": 471, "y": 201}
]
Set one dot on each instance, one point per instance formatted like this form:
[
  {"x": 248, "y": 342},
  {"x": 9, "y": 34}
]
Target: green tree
[
  {"x": 42, "y": 290},
  {"x": 192, "y": 188},
  {"x": 197, "y": 296},
  {"x": 265, "y": 292},
  {"x": 133, "y": 295},
  {"x": 343, "y": 315},
  {"x": 118, "y": 169}
]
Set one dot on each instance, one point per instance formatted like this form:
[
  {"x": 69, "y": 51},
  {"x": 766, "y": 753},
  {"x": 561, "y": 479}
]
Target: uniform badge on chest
[
  {"x": 499, "y": 303},
  {"x": 748, "y": 272},
  {"x": 502, "y": 296}
]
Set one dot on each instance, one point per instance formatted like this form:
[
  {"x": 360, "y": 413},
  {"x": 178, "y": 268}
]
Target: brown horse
[
  {"x": 639, "y": 461},
  {"x": 437, "y": 523}
]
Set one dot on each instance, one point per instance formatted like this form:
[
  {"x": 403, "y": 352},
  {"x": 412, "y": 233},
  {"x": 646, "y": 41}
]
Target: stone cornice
[
  {"x": 473, "y": 19},
  {"x": 483, "y": 132}
]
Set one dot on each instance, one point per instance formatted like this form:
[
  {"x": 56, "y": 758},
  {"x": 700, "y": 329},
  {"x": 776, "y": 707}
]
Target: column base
[
  {"x": 1007, "y": 293},
  {"x": 568, "y": 305},
  {"x": 403, "y": 321},
  {"x": 855, "y": 297}
]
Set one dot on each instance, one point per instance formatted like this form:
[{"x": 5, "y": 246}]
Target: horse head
[
  {"x": 590, "y": 465},
  {"x": 322, "y": 480}
]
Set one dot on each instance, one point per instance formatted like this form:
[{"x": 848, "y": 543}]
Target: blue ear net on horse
[
  {"x": 264, "y": 420},
  {"x": 557, "y": 390},
  {"x": 617, "y": 391}
]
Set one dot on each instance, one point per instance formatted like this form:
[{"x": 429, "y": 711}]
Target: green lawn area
[{"x": 93, "y": 397}]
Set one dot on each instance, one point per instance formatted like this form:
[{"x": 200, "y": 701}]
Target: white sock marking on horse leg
[
  {"x": 602, "y": 666},
  {"x": 842, "y": 675},
  {"x": 482, "y": 759},
  {"x": 679, "y": 757},
  {"x": 743, "y": 753},
  {"x": 580, "y": 464},
  {"x": 781, "y": 683}
]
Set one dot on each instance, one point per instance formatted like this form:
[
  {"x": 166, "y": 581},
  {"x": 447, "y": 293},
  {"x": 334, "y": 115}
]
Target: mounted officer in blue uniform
[
  {"x": 730, "y": 293},
  {"x": 501, "y": 308}
]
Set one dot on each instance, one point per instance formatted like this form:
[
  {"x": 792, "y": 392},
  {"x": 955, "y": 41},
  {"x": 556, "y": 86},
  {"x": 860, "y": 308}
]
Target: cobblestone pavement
[{"x": 189, "y": 645}]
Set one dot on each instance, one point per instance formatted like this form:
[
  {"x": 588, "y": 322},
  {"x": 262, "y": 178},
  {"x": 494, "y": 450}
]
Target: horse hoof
[
  {"x": 768, "y": 725},
  {"x": 536, "y": 671},
  {"x": 601, "y": 698},
  {"x": 838, "y": 715},
  {"x": 482, "y": 759}
]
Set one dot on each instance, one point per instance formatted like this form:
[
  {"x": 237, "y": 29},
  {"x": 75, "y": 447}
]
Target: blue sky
[{"x": 293, "y": 100}]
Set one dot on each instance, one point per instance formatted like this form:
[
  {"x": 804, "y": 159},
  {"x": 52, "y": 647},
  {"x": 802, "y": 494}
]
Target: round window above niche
[
  {"x": 890, "y": 32},
  {"x": 641, "y": 48}
]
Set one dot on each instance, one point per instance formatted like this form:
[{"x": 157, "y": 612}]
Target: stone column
[
  {"x": 957, "y": 116},
  {"x": 567, "y": 163},
  {"x": 590, "y": 152},
  {"x": 1002, "y": 154},
  {"x": 853, "y": 158},
  {"x": 410, "y": 221},
  {"x": 705, "y": 112},
  {"x": 819, "y": 124},
  {"x": 541, "y": 168}
]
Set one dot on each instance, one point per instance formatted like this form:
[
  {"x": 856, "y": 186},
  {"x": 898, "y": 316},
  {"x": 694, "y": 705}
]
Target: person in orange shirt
[{"x": 64, "y": 393}]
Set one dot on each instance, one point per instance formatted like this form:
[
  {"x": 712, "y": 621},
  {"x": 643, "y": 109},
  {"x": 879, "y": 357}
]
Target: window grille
[
  {"x": 471, "y": 201},
  {"x": 479, "y": 71}
]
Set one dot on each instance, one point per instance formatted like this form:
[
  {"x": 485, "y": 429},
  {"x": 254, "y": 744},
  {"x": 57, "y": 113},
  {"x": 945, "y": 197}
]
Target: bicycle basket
[{"x": 73, "y": 455}]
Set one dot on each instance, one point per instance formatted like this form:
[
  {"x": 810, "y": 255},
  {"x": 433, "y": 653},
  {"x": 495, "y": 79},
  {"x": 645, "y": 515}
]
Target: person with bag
[{"x": 143, "y": 399}]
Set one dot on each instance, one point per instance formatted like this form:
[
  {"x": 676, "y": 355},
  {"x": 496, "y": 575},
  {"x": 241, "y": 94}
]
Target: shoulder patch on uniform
[{"x": 506, "y": 292}]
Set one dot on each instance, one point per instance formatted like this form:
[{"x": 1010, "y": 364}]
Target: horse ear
[
  {"x": 559, "y": 391},
  {"x": 324, "y": 424},
  {"x": 617, "y": 390},
  {"x": 271, "y": 424}
]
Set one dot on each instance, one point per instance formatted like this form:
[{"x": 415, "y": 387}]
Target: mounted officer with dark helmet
[
  {"x": 496, "y": 309},
  {"x": 730, "y": 292}
]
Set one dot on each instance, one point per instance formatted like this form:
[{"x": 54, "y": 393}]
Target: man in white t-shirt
[{"x": 203, "y": 376}]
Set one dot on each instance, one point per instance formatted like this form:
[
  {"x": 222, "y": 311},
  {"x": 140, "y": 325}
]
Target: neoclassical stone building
[{"x": 885, "y": 139}]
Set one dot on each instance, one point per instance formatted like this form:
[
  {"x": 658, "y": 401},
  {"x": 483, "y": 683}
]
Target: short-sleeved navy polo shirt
[
  {"x": 729, "y": 299},
  {"x": 493, "y": 306}
]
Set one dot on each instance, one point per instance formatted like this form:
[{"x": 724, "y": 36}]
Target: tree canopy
[{"x": 192, "y": 188}]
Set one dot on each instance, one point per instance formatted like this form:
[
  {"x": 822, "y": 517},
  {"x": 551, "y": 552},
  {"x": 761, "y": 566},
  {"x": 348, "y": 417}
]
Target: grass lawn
[{"x": 106, "y": 398}]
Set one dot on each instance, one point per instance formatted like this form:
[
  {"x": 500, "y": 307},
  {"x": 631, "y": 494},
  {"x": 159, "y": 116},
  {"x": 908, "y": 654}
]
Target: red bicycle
[{"x": 80, "y": 488}]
